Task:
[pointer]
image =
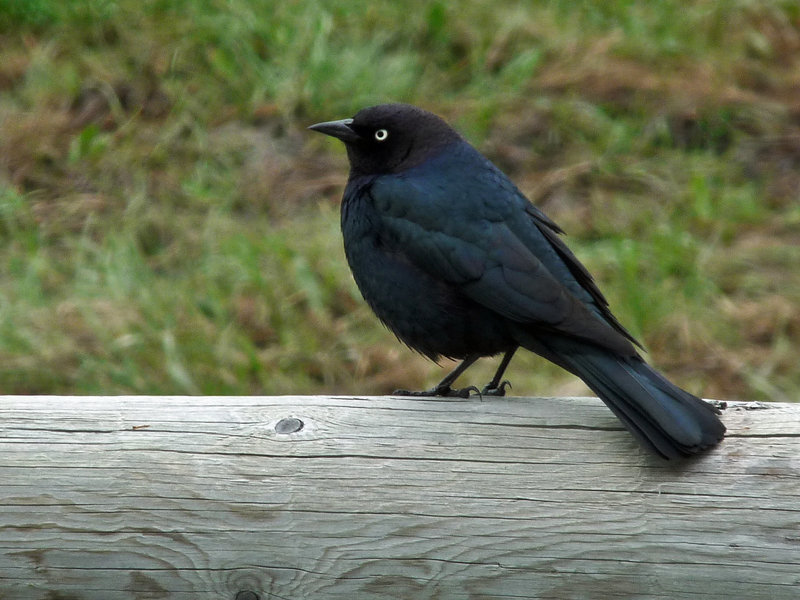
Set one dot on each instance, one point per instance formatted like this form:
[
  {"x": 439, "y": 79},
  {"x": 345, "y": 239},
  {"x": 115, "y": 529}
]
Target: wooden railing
[{"x": 239, "y": 498}]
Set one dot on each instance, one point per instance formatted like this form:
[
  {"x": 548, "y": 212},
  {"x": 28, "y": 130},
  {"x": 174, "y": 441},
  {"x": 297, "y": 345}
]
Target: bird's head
[{"x": 389, "y": 138}]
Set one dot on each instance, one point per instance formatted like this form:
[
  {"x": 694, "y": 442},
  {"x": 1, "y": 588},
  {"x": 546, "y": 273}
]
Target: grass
[{"x": 168, "y": 226}]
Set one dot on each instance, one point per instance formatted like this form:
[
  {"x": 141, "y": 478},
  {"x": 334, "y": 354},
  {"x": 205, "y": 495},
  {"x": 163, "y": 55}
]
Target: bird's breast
[{"x": 428, "y": 314}]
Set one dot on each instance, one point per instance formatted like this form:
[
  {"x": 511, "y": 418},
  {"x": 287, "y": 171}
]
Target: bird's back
[{"x": 459, "y": 228}]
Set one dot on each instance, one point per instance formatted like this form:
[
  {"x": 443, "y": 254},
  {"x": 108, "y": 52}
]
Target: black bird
[{"x": 458, "y": 263}]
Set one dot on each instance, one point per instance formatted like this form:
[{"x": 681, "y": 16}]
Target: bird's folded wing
[{"x": 477, "y": 251}]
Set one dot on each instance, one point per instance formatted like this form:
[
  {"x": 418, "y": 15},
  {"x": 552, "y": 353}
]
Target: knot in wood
[{"x": 289, "y": 425}]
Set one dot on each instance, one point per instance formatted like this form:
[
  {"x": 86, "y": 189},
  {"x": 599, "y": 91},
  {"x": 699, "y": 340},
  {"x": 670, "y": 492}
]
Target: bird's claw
[
  {"x": 496, "y": 391},
  {"x": 444, "y": 391},
  {"x": 414, "y": 392},
  {"x": 465, "y": 392}
]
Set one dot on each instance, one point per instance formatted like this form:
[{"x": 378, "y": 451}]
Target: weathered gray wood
[{"x": 199, "y": 498}]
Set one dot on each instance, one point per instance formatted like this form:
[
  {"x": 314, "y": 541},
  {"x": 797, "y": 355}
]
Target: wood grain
[{"x": 200, "y": 497}]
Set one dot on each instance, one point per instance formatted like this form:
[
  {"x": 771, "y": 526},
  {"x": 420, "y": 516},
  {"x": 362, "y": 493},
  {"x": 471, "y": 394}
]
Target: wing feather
[{"x": 481, "y": 238}]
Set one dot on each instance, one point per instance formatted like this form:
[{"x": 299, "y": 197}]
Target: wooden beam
[{"x": 341, "y": 497}]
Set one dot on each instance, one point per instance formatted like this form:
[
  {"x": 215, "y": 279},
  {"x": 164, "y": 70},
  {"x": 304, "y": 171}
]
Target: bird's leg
[
  {"x": 497, "y": 386},
  {"x": 443, "y": 387}
]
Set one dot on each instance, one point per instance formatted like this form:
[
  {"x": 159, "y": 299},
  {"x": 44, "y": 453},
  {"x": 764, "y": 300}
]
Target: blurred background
[{"x": 169, "y": 226}]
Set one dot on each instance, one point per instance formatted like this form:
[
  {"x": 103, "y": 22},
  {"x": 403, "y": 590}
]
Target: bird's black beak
[{"x": 338, "y": 129}]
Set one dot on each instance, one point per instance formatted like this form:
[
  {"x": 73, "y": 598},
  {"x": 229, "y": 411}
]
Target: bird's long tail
[{"x": 662, "y": 416}]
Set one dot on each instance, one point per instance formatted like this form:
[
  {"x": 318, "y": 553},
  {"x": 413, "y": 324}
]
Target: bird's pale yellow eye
[{"x": 381, "y": 135}]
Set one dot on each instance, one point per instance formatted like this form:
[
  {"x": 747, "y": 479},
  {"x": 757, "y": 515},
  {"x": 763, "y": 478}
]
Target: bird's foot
[
  {"x": 444, "y": 391},
  {"x": 500, "y": 390}
]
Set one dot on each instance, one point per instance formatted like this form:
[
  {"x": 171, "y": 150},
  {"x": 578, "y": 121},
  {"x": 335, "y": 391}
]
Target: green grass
[{"x": 168, "y": 226}]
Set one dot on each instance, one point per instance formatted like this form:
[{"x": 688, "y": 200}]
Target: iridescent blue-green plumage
[{"x": 457, "y": 262}]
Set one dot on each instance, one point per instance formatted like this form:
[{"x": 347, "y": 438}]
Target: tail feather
[{"x": 663, "y": 417}]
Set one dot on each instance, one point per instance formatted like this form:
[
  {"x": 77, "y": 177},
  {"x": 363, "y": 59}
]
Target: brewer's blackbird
[{"x": 453, "y": 258}]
